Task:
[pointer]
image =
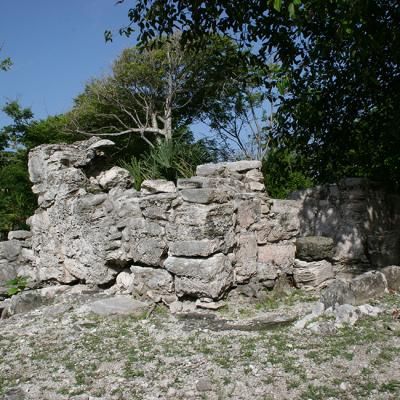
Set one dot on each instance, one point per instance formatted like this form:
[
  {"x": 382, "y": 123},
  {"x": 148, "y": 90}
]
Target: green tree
[
  {"x": 5, "y": 63},
  {"x": 342, "y": 62},
  {"x": 155, "y": 90}
]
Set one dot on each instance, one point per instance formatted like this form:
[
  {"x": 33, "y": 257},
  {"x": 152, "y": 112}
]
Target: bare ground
[{"x": 55, "y": 352}]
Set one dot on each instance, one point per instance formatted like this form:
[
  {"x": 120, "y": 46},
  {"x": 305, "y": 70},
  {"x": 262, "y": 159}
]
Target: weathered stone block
[
  {"x": 255, "y": 187},
  {"x": 151, "y": 279},
  {"x": 314, "y": 248},
  {"x": 248, "y": 211},
  {"x": 19, "y": 235},
  {"x": 157, "y": 206},
  {"x": 254, "y": 175},
  {"x": 392, "y": 274},
  {"x": 266, "y": 272},
  {"x": 209, "y": 277},
  {"x": 148, "y": 251},
  {"x": 197, "y": 221},
  {"x": 114, "y": 177},
  {"x": 10, "y": 250},
  {"x": 195, "y": 248},
  {"x": 281, "y": 255},
  {"x": 368, "y": 286},
  {"x": 336, "y": 293},
  {"x": 158, "y": 186},
  {"x": 312, "y": 273},
  {"x": 205, "y": 196},
  {"x": 246, "y": 257},
  {"x": 120, "y": 305},
  {"x": 194, "y": 182},
  {"x": 218, "y": 169}
]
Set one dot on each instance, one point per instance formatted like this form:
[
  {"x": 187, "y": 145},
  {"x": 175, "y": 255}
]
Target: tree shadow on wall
[{"x": 361, "y": 218}]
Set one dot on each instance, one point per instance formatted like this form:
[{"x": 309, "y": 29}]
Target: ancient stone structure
[{"x": 193, "y": 240}]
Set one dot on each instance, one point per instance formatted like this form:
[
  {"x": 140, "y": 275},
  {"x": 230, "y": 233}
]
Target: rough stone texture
[
  {"x": 125, "y": 282},
  {"x": 359, "y": 290},
  {"x": 312, "y": 273},
  {"x": 208, "y": 277},
  {"x": 154, "y": 280},
  {"x": 246, "y": 257},
  {"x": 116, "y": 306},
  {"x": 361, "y": 218},
  {"x": 196, "y": 248},
  {"x": 367, "y": 286},
  {"x": 19, "y": 235},
  {"x": 205, "y": 196},
  {"x": 313, "y": 248},
  {"x": 114, "y": 177},
  {"x": 280, "y": 255},
  {"x": 196, "y": 239},
  {"x": 392, "y": 275},
  {"x": 158, "y": 186},
  {"x": 280, "y": 223},
  {"x": 217, "y": 169},
  {"x": 337, "y": 292}
]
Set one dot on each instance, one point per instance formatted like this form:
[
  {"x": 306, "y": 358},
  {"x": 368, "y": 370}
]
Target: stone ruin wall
[{"x": 198, "y": 239}]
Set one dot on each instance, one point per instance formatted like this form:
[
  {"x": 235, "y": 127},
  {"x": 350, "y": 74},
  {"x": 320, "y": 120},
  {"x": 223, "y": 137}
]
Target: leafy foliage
[
  {"x": 340, "y": 60},
  {"x": 155, "y": 91},
  {"x": 16, "y": 285},
  {"x": 5, "y": 63},
  {"x": 171, "y": 160},
  {"x": 284, "y": 172}
]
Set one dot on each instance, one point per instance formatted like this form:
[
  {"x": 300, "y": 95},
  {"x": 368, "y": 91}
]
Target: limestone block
[
  {"x": 19, "y": 235},
  {"x": 158, "y": 186},
  {"x": 266, "y": 272},
  {"x": 243, "y": 166},
  {"x": 256, "y": 187},
  {"x": 392, "y": 274},
  {"x": 218, "y": 169},
  {"x": 195, "y": 248},
  {"x": 194, "y": 182},
  {"x": 280, "y": 255},
  {"x": 197, "y": 222},
  {"x": 254, "y": 175},
  {"x": 337, "y": 292},
  {"x": 248, "y": 211},
  {"x": 119, "y": 305},
  {"x": 270, "y": 231},
  {"x": 146, "y": 279},
  {"x": 210, "y": 169},
  {"x": 148, "y": 251},
  {"x": 157, "y": 206},
  {"x": 313, "y": 248},
  {"x": 205, "y": 277},
  {"x": 368, "y": 286},
  {"x": 205, "y": 195},
  {"x": 285, "y": 214},
  {"x": 10, "y": 250},
  {"x": 246, "y": 257},
  {"x": 114, "y": 177},
  {"x": 312, "y": 273}
]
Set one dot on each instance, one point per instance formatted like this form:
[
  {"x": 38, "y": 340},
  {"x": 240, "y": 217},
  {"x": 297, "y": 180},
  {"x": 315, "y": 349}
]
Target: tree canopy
[
  {"x": 341, "y": 62},
  {"x": 154, "y": 90}
]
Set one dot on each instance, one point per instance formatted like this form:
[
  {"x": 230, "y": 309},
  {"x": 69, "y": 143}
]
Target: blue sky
[{"x": 56, "y": 47}]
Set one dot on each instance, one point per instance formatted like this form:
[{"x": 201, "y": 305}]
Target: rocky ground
[{"x": 247, "y": 350}]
